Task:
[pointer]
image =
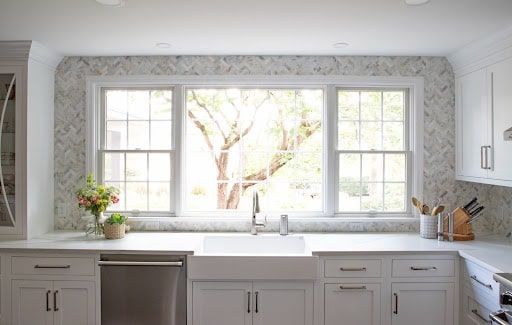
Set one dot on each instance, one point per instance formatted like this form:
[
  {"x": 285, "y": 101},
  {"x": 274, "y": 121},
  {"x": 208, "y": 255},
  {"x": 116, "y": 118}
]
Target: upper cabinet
[
  {"x": 483, "y": 116},
  {"x": 27, "y": 74}
]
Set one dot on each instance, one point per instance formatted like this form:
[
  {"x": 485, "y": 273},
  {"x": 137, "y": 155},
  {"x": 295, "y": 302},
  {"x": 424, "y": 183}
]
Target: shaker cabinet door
[
  {"x": 74, "y": 302},
  {"x": 32, "y": 302},
  {"x": 352, "y": 303}
]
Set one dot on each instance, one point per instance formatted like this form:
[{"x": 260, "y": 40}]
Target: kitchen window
[{"x": 311, "y": 146}]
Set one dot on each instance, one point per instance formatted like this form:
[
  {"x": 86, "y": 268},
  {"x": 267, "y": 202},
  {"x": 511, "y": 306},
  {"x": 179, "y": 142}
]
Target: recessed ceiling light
[
  {"x": 340, "y": 45},
  {"x": 111, "y": 3},
  {"x": 163, "y": 45},
  {"x": 416, "y": 2}
]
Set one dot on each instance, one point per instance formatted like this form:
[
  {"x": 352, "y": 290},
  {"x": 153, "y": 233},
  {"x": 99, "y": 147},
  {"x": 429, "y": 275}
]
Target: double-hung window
[
  {"x": 136, "y": 141},
  {"x": 187, "y": 148}
]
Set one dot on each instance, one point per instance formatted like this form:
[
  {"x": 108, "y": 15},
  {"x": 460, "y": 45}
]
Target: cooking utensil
[
  {"x": 471, "y": 203},
  {"x": 437, "y": 209},
  {"x": 476, "y": 211}
]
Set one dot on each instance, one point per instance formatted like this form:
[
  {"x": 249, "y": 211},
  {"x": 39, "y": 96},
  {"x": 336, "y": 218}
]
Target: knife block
[{"x": 462, "y": 231}]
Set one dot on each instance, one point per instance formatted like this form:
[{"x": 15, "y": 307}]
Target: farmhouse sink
[{"x": 248, "y": 245}]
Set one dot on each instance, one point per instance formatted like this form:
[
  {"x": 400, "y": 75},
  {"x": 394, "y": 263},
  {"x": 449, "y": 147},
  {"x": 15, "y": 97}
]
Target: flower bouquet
[{"x": 95, "y": 199}]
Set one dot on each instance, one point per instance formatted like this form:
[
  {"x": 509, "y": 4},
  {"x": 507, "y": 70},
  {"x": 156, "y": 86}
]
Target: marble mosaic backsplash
[{"x": 439, "y": 142}]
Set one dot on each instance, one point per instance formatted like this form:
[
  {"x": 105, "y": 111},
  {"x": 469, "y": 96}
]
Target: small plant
[{"x": 116, "y": 219}]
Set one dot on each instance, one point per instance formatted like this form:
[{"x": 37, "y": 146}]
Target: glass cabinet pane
[{"x": 7, "y": 147}]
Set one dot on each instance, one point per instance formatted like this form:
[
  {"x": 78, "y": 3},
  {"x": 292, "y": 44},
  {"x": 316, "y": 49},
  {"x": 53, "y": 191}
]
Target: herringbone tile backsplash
[{"x": 439, "y": 150}]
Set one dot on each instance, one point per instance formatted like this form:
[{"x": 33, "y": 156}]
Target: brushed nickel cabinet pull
[
  {"x": 37, "y": 266},
  {"x": 395, "y": 295},
  {"x": 475, "y": 312},
  {"x": 488, "y": 286},
  {"x": 353, "y": 269},
  {"x": 353, "y": 287},
  {"x": 48, "y": 300},
  {"x": 248, "y": 302},
  {"x": 482, "y": 157},
  {"x": 55, "y": 307},
  {"x": 487, "y": 150},
  {"x": 426, "y": 268}
]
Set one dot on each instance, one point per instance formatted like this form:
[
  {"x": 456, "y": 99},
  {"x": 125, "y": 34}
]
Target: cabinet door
[
  {"x": 472, "y": 121},
  {"x": 500, "y": 155},
  {"x": 31, "y": 302},
  {"x": 74, "y": 302},
  {"x": 423, "y": 303},
  {"x": 222, "y": 303},
  {"x": 278, "y": 303},
  {"x": 352, "y": 304}
]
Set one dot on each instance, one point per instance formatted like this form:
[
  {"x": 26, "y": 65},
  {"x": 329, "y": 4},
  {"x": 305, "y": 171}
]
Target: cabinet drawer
[
  {"x": 423, "y": 268},
  {"x": 481, "y": 279},
  {"x": 52, "y": 265},
  {"x": 475, "y": 312},
  {"x": 353, "y": 268}
]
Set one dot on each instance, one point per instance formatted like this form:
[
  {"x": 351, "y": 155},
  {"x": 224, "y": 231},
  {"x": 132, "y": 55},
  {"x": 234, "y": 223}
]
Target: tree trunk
[{"x": 222, "y": 166}]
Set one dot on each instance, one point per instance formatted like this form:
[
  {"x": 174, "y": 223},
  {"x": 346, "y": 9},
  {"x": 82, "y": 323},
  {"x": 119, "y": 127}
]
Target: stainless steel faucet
[{"x": 255, "y": 210}]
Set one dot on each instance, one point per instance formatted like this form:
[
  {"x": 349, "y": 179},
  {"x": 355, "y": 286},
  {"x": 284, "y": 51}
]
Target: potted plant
[
  {"x": 115, "y": 226},
  {"x": 96, "y": 199}
]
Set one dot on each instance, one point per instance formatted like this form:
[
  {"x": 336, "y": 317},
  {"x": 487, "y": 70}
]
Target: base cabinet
[
  {"x": 52, "y": 302},
  {"x": 352, "y": 304},
  {"x": 257, "y": 303},
  {"x": 423, "y": 303}
]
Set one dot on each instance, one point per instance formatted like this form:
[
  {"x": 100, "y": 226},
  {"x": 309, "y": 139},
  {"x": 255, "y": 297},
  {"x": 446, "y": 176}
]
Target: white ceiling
[{"x": 298, "y": 27}]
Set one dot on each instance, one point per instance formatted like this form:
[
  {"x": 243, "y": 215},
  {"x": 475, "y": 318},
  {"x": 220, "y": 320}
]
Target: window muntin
[
  {"x": 137, "y": 147},
  {"x": 373, "y": 151},
  {"x": 244, "y": 139}
]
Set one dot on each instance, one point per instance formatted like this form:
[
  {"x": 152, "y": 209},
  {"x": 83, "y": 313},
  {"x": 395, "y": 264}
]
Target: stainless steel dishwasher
[{"x": 143, "y": 289}]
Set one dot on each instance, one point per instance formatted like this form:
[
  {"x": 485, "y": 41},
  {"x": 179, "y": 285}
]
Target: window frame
[{"x": 330, "y": 84}]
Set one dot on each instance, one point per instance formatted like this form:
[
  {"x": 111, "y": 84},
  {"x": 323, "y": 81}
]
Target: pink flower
[{"x": 115, "y": 199}]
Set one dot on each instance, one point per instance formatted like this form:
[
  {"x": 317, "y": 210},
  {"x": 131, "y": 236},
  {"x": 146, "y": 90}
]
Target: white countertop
[{"x": 493, "y": 252}]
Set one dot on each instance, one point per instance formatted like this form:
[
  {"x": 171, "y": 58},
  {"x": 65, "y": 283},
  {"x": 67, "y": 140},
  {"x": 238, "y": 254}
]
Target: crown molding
[
  {"x": 22, "y": 51},
  {"x": 482, "y": 53}
]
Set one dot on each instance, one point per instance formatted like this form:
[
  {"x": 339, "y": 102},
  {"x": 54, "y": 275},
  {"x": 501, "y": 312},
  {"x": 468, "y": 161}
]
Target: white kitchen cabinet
[
  {"x": 258, "y": 303},
  {"x": 277, "y": 303},
  {"x": 423, "y": 303},
  {"x": 472, "y": 115},
  {"x": 352, "y": 303},
  {"x": 53, "y": 302},
  {"x": 31, "y": 302},
  {"x": 484, "y": 113},
  {"x": 74, "y": 302},
  {"x": 222, "y": 303}
]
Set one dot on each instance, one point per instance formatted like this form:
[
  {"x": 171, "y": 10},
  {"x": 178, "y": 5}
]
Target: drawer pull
[
  {"x": 488, "y": 286},
  {"x": 353, "y": 287},
  {"x": 37, "y": 266},
  {"x": 475, "y": 312},
  {"x": 426, "y": 268},
  {"x": 353, "y": 269}
]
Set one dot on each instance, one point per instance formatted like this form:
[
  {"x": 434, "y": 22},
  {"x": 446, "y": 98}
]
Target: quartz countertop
[{"x": 492, "y": 252}]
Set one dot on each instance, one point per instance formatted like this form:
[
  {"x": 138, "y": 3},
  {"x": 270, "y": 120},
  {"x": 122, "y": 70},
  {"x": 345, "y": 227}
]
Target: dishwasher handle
[{"x": 137, "y": 263}]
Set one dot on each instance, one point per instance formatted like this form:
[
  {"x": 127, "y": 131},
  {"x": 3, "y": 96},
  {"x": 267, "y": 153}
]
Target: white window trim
[{"x": 415, "y": 85}]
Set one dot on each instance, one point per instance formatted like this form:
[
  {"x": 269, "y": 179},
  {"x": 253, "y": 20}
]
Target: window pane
[
  {"x": 116, "y": 135},
  {"x": 159, "y": 167},
  {"x": 303, "y": 196},
  {"x": 349, "y": 199},
  {"x": 114, "y": 167},
  {"x": 393, "y": 106},
  {"x": 138, "y": 105},
  {"x": 138, "y": 135},
  {"x": 115, "y": 101},
  {"x": 161, "y": 135},
  {"x": 136, "y": 167},
  {"x": 161, "y": 105},
  {"x": 371, "y": 197},
  {"x": 393, "y": 136},
  {"x": 159, "y": 196},
  {"x": 371, "y": 136},
  {"x": 257, "y": 136},
  {"x": 394, "y": 197},
  {"x": 371, "y": 104},
  {"x": 348, "y": 135},
  {"x": 348, "y": 104},
  {"x": 395, "y": 168},
  {"x": 136, "y": 196},
  {"x": 372, "y": 167},
  {"x": 350, "y": 168}
]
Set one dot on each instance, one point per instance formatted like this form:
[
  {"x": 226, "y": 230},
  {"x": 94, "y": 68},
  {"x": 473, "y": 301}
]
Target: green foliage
[
  {"x": 96, "y": 198},
  {"x": 116, "y": 219}
]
